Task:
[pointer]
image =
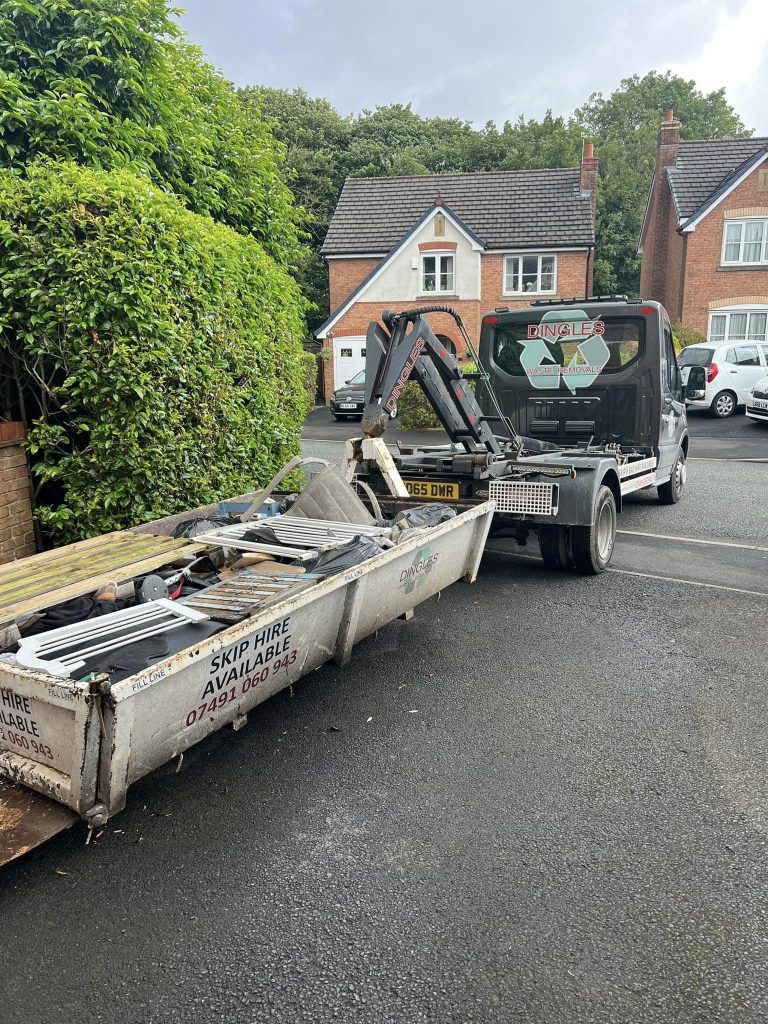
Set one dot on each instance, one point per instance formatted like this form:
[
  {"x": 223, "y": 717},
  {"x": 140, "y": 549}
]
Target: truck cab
[{"x": 602, "y": 371}]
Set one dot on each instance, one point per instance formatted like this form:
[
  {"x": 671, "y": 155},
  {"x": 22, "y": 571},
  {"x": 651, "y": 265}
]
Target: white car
[
  {"x": 757, "y": 401},
  {"x": 733, "y": 369}
]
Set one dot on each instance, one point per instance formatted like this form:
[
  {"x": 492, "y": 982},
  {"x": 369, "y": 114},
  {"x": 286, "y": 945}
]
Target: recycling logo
[
  {"x": 414, "y": 576},
  {"x": 540, "y": 349}
]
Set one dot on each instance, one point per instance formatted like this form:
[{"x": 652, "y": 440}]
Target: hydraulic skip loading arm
[{"x": 395, "y": 354}]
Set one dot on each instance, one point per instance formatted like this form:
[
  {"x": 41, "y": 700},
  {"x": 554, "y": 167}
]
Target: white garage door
[{"x": 348, "y": 359}]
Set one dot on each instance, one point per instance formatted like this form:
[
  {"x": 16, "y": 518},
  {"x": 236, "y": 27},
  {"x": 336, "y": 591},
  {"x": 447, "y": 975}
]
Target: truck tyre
[
  {"x": 723, "y": 404},
  {"x": 555, "y": 552},
  {"x": 592, "y": 546},
  {"x": 671, "y": 492}
]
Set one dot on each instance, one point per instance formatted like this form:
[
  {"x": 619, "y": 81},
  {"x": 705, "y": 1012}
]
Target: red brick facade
[
  {"x": 17, "y": 537},
  {"x": 683, "y": 269}
]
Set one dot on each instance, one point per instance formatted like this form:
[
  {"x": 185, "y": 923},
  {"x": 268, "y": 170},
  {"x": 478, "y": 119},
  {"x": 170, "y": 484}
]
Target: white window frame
[
  {"x": 737, "y": 311},
  {"x": 743, "y": 221},
  {"x": 437, "y": 254},
  {"x": 539, "y": 257}
]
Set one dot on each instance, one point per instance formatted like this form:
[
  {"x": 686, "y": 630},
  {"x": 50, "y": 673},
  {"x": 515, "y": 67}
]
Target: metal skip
[{"x": 28, "y": 819}]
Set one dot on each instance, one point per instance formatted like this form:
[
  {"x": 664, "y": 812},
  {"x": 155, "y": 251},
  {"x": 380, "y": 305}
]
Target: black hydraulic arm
[{"x": 405, "y": 348}]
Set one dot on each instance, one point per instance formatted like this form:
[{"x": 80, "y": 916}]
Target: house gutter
[{"x": 590, "y": 251}]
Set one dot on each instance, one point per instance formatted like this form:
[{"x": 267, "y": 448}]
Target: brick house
[
  {"x": 472, "y": 241},
  {"x": 704, "y": 240}
]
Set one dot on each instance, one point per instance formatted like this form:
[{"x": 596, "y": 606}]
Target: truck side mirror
[{"x": 696, "y": 385}]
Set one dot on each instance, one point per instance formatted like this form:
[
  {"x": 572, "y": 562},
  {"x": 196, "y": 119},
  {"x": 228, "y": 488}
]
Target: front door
[{"x": 348, "y": 359}]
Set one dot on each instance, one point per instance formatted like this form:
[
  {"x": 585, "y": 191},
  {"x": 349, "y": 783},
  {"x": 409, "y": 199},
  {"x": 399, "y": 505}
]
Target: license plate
[
  {"x": 347, "y": 405},
  {"x": 760, "y": 403},
  {"x": 432, "y": 490}
]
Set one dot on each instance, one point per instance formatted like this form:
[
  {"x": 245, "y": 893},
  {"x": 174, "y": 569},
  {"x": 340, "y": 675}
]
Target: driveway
[{"x": 542, "y": 800}]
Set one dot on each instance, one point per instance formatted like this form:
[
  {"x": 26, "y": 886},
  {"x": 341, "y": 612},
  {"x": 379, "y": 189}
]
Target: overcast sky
[{"x": 485, "y": 60}]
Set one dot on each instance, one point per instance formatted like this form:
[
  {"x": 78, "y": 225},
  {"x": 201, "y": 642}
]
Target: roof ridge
[
  {"x": 760, "y": 139},
  {"x": 455, "y": 174}
]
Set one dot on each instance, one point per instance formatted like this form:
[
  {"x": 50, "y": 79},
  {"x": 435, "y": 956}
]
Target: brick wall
[
  {"x": 707, "y": 283},
  {"x": 662, "y": 261},
  {"x": 17, "y": 537},
  {"x": 345, "y": 275}
]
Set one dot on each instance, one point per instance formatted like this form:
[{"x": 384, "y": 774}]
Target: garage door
[{"x": 348, "y": 359}]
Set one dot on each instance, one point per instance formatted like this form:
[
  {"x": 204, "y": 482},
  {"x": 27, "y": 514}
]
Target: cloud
[{"x": 491, "y": 60}]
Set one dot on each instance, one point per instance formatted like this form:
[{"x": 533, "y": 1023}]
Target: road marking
[
  {"x": 691, "y": 583},
  {"x": 694, "y": 540},
  {"x": 734, "y": 458},
  {"x": 644, "y": 575}
]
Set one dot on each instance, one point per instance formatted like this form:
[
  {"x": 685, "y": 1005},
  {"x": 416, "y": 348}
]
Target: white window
[
  {"x": 745, "y": 241},
  {"x": 437, "y": 273},
  {"x": 738, "y": 325},
  {"x": 525, "y": 275}
]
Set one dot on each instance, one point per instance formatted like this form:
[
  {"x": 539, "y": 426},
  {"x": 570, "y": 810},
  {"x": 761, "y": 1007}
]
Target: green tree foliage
[
  {"x": 155, "y": 353},
  {"x": 112, "y": 83},
  {"x": 624, "y": 126}
]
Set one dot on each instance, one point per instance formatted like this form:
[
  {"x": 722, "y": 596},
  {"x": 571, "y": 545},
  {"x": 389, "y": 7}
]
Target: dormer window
[{"x": 437, "y": 272}]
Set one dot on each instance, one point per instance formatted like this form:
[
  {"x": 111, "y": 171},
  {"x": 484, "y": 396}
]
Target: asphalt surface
[
  {"x": 737, "y": 437},
  {"x": 542, "y": 800}
]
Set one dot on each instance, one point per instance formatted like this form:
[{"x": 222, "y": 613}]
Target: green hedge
[
  {"x": 684, "y": 336},
  {"x": 158, "y": 352},
  {"x": 309, "y": 375},
  {"x": 414, "y": 411}
]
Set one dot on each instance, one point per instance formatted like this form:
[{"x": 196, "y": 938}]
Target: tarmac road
[{"x": 542, "y": 800}]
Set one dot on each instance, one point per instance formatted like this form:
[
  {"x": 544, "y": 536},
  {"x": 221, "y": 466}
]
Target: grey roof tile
[
  {"x": 505, "y": 209},
  {"x": 703, "y": 167}
]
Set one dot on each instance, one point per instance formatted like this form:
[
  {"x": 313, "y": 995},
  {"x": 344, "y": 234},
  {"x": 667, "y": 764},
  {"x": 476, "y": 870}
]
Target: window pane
[
  {"x": 511, "y": 274},
  {"x": 753, "y": 241},
  {"x": 547, "y": 273},
  {"x": 429, "y": 275},
  {"x": 730, "y": 355},
  {"x": 737, "y": 326},
  {"x": 732, "y": 242},
  {"x": 717, "y": 328},
  {"x": 530, "y": 273},
  {"x": 757, "y": 322},
  {"x": 746, "y": 355},
  {"x": 446, "y": 273}
]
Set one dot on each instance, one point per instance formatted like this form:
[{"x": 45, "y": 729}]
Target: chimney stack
[
  {"x": 667, "y": 140},
  {"x": 588, "y": 175}
]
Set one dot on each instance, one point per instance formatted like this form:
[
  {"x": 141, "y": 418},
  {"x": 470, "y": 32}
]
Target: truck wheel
[
  {"x": 553, "y": 542},
  {"x": 592, "y": 546},
  {"x": 671, "y": 492}
]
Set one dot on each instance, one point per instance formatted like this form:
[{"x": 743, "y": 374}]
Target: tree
[
  {"x": 624, "y": 127},
  {"x": 112, "y": 83}
]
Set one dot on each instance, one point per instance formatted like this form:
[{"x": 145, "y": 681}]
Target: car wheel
[
  {"x": 592, "y": 546},
  {"x": 672, "y": 491},
  {"x": 723, "y": 404},
  {"x": 553, "y": 543}
]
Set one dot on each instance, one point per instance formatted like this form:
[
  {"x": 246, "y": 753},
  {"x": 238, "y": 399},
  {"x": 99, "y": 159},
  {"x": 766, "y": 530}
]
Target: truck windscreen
[{"x": 623, "y": 336}]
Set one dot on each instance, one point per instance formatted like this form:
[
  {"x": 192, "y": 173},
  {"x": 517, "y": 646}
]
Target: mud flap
[{"x": 28, "y": 819}]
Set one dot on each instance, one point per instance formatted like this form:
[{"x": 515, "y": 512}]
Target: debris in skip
[{"x": 123, "y": 651}]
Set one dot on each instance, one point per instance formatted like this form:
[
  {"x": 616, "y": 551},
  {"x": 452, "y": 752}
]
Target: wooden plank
[
  {"x": 120, "y": 574},
  {"x": 31, "y": 575},
  {"x": 72, "y": 554}
]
